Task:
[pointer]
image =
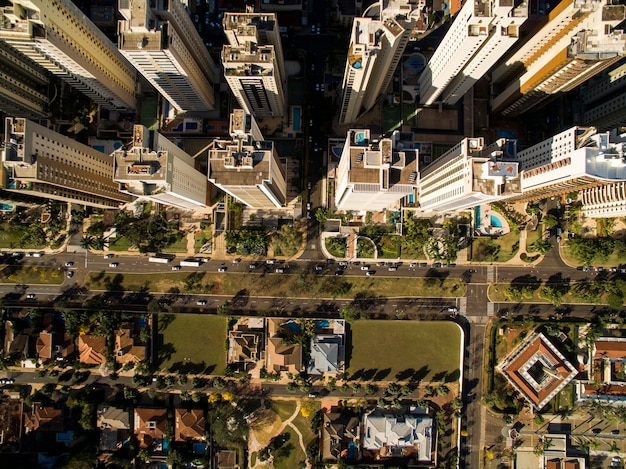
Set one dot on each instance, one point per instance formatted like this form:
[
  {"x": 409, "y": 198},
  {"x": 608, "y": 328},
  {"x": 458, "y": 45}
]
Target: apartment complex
[
  {"x": 160, "y": 40},
  {"x": 246, "y": 166},
  {"x": 482, "y": 32},
  {"x": 604, "y": 100},
  {"x": 470, "y": 174},
  {"x": 576, "y": 159},
  {"x": 253, "y": 63},
  {"x": 23, "y": 85},
  {"x": 376, "y": 46},
  {"x": 43, "y": 163},
  {"x": 155, "y": 169},
  {"x": 373, "y": 174},
  {"x": 577, "y": 42},
  {"x": 58, "y": 36}
]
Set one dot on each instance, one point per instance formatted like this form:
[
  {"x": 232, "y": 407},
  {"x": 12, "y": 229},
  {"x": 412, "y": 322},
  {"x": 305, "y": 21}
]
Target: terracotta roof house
[
  {"x": 43, "y": 419},
  {"x": 537, "y": 370},
  {"x": 279, "y": 355},
  {"x": 339, "y": 432},
  {"x": 91, "y": 349},
  {"x": 150, "y": 426},
  {"x": 53, "y": 343},
  {"x": 127, "y": 348},
  {"x": 246, "y": 342},
  {"x": 114, "y": 425},
  {"x": 188, "y": 425},
  {"x": 326, "y": 355},
  {"x": 606, "y": 368}
]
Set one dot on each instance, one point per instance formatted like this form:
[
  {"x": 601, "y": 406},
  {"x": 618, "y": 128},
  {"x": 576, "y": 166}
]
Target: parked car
[
  {"x": 369, "y": 273},
  {"x": 201, "y": 302},
  {"x": 221, "y": 269},
  {"x": 30, "y": 296},
  {"x": 365, "y": 267},
  {"x": 108, "y": 256},
  {"x": 280, "y": 270},
  {"x": 70, "y": 274},
  {"x": 236, "y": 261},
  {"x": 270, "y": 261},
  {"x": 252, "y": 266},
  {"x": 114, "y": 264},
  {"x": 175, "y": 267},
  {"x": 69, "y": 264},
  {"x": 319, "y": 268}
]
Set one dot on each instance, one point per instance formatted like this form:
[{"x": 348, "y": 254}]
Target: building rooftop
[{"x": 189, "y": 425}]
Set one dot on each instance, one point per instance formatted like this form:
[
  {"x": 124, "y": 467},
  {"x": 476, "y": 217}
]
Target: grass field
[
  {"x": 32, "y": 275},
  {"x": 508, "y": 247},
  {"x": 398, "y": 351},
  {"x": 288, "y": 286},
  {"x": 191, "y": 343},
  {"x": 531, "y": 237}
]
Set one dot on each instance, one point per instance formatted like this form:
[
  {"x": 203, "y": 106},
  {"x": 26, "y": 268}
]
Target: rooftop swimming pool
[
  {"x": 297, "y": 119},
  {"x": 359, "y": 137}
]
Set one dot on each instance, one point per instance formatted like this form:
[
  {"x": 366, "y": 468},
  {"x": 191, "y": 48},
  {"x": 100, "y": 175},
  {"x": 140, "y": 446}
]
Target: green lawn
[
  {"x": 290, "y": 459},
  {"x": 288, "y": 286},
  {"x": 531, "y": 237},
  {"x": 10, "y": 236},
  {"x": 201, "y": 237},
  {"x": 178, "y": 246},
  {"x": 32, "y": 275},
  {"x": 191, "y": 343},
  {"x": 389, "y": 245},
  {"x": 399, "y": 350},
  {"x": 119, "y": 244},
  {"x": 507, "y": 245}
]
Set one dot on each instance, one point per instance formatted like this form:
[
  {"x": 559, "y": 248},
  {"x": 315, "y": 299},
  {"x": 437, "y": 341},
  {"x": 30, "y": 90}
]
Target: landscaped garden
[
  {"x": 31, "y": 275},
  {"x": 499, "y": 249}
]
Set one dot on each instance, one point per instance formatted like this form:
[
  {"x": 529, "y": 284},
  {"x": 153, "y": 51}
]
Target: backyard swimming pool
[{"x": 495, "y": 221}]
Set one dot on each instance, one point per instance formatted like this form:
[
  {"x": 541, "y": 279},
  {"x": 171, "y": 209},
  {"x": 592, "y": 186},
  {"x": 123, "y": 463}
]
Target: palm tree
[{"x": 86, "y": 241}]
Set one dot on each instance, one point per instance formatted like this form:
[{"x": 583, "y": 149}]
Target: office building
[
  {"x": 23, "y": 85},
  {"x": 160, "y": 40},
  {"x": 482, "y": 32},
  {"x": 470, "y": 174},
  {"x": 576, "y": 159},
  {"x": 246, "y": 166},
  {"x": 374, "y": 174},
  {"x": 603, "y": 100},
  {"x": 43, "y": 163},
  {"x": 58, "y": 36},
  {"x": 253, "y": 63},
  {"x": 577, "y": 42},
  {"x": 376, "y": 46},
  {"x": 155, "y": 169}
]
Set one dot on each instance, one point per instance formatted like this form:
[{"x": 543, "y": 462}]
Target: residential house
[
  {"x": 128, "y": 349},
  {"x": 605, "y": 369},
  {"x": 189, "y": 425},
  {"x": 326, "y": 355},
  {"x": 11, "y": 407},
  {"x": 226, "y": 459},
  {"x": 150, "y": 425},
  {"x": 114, "y": 425},
  {"x": 91, "y": 349},
  {"x": 53, "y": 343},
  {"x": 246, "y": 342},
  {"x": 281, "y": 355},
  {"x": 340, "y": 436},
  {"x": 16, "y": 344},
  {"x": 43, "y": 419}
]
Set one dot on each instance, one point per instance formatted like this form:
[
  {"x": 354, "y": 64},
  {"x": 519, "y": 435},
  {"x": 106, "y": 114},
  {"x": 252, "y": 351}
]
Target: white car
[
  {"x": 175, "y": 267},
  {"x": 365, "y": 267},
  {"x": 30, "y": 296},
  {"x": 114, "y": 264},
  {"x": 70, "y": 274},
  {"x": 201, "y": 302},
  {"x": 69, "y": 264},
  {"x": 108, "y": 256},
  {"x": 369, "y": 273},
  {"x": 222, "y": 269},
  {"x": 308, "y": 205},
  {"x": 280, "y": 270}
]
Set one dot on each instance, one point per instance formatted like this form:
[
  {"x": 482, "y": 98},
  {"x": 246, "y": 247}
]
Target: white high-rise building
[
  {"x": 59, "y": 37},
  {"x": 40, "y": 162},
  {"x": 376, "y": 46},
  {"x": 375, "y": 174},
  {"x": 246, "y": 166},
  {"x": 482, "y": 32},
  {"x": 160, "y": 40},
  {"x": 576, "y": 159},
  {"x": 158, "y": 170},
  {"x": 470, "y": 174},
  {"x": 578, "y": 41},
  {"x": 253, "y": 63}
]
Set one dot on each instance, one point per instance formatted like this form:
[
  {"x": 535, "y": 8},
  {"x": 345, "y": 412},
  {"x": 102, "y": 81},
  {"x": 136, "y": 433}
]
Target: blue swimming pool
[
  {"x": 323, "y": 324},
  {"x": 495, "y": 221},
  {"x": 352, "y": 447},
  {"x": 293, "y": 326},
  {"x": 359, "y": 137},
  {"x": 477, "y": 219},
  {"x": 296, "y": 119}
]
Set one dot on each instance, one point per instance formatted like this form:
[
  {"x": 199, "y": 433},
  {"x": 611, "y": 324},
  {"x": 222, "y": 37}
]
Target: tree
[
  {"x": 443, "y": 390},
  {"x": 321, "y": 215},
  {"x": 350, "y": 313},
  {"x": 550, "y": 221}
]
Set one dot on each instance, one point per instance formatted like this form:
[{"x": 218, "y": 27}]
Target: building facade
[
  {"x": 577, "y": 42},
  {"x": 160, "y": 40},
  {"x": 604, "y": 100},
  {"x": 43, "y": 163},
  {"x": 375, "y": 174},
  {"x": 246, "y": 166},
  {"x": 482, "y": 32},
  {"x": 377, "y": 43},
  {"x": 253, "y": 63},
  {"x": 155, "y": 169},
  {"x": 58, "y": 36},
  {"x": 470, "y": 174}
]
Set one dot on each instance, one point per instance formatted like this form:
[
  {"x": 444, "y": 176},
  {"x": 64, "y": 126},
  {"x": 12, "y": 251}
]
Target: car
[
  {"x": 319, "y": 267},
  {"x": 175, "y": 267},
  {"x": 312, "y": 67},
  {"x": 308, "y": 205},
  {"x": 338, "y": 273},
  {"x": 108, "y": 256},
  {"x": 308, "y": 215},
  {"x": 236, "y": 261},
  {"x": 206, "y": 21},
  {"x": 310, "y": 122},
  {"x": 201, "y": 302},
  {"x": 69, "y": 264},
  {"x": 453, "y": 309},
  {"x": 315, "y": 148},
  {"x": 312, "y": 28},
  {"x": 319, "y": 29},
  {"x": 595, "y": 431},
  {"x": 196, "y": 18},
  {"x": 365, "y": 267},
  {"x": 615, "y": 432},
  {"x": 30, "y": 296},
  {"x": 308, "y": 185},
  {"x": 586, "y": 269},
  {"x": 7, "y": 381},
  {"x": 412, "y": 265},
  {"x": 369, "y": 273},
  {"x": 613, "y": 269},
  {"x": 317, "y": 86},
  {"x": 599, "y": 269},
  {"x": 322, "y": 87},
  {"x": 392, "y": 269},
  {"x": 252, "y": 266},
  {"x": 313, "y": 394},
  {"x": 17, "y": 255},
  {"x": 558, "y": 239},
  {"x": 270, "y": 261},
  {"x": 280, "y": 270},
  {"x": 343, "y": 263},
  {"x": 114, "y": 264},
  {"x": 436, "y": 265},
  {"x": 310, "y": 138},
  {"x": 221, "y": 269},
  {"x": 70, "y": 274}
]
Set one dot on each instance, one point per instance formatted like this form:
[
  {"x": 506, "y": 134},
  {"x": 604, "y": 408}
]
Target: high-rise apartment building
[
  {"x": 23, "y": 85},
  {"x": 376, "y": 46},
  {"x": 155, "y": 169},
  {"x": 470, "y": 174},
  {"x": 604, "y": 100},
  {"x": 576, "y": 159},
  {"x": 605, "y": 201},
  {"x": 253, "y": 63},
  {"x": 59, "y": 37},
  {"x": 246, "y": 166},
  {"x": 373, "y": 174},
  {"x": 43, "y": 163},
  {"x": 482, "y": 32},
  {"x": 160, "y": 40},
  {"x": 577, "y": 42}
]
